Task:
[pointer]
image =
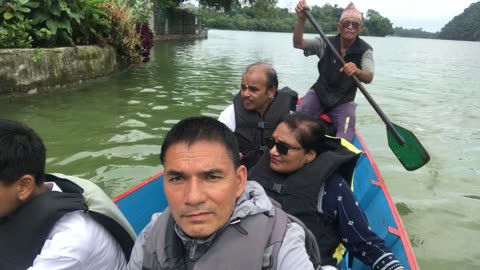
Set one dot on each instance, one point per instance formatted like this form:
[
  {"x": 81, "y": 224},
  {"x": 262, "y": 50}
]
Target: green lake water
[{"x": 109, "y": 130}]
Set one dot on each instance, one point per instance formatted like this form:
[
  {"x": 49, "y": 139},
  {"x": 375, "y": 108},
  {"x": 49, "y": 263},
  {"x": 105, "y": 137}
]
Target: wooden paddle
[{"x": 402, "y": 142}]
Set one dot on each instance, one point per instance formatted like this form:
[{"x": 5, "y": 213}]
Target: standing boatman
[{"x": 334, "y": 91}]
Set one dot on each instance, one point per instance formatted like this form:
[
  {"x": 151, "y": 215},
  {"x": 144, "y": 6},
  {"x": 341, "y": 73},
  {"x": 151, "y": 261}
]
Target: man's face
[
  {"x": 9, "y": 201},
  {"x": 201, "y": 186},
  {"x": 349, "y": 28},
  {"x": 254, "y": 92}
]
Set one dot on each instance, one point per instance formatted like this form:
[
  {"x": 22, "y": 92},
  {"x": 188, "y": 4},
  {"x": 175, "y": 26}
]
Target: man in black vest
[
  {"x": 256, "y": 110},
  {"x": 334, "y": 91},
  {"x": 47, "y": 225}
]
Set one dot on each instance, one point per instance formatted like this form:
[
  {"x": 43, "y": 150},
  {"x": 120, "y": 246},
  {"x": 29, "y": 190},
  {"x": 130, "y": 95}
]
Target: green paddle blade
[{"x": 412, "y": 154}]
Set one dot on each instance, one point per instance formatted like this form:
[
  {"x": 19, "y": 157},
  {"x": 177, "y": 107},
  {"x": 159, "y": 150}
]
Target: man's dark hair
[
  {"x": 272, "y": 79},
  {"x": 203, "y": 128},
  {"x": 309, "y": 131},
  {"x": 21, "y": 152}
]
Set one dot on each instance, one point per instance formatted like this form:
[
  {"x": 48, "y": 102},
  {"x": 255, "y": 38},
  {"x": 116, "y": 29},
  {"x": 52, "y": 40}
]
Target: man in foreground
[
  {"x": 48, "y": 225},
  {"x": 334, "y": 91},
  {"x": 215, "y": 219}
]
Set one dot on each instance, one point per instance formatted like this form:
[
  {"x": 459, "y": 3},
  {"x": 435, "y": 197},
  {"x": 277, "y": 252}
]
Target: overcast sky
[{"x": 431, "y": 15}]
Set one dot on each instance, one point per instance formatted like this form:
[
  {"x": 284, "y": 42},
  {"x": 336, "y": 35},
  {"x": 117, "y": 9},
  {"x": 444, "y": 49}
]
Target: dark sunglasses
[
  {"x": 282, "y": 148},
  {"x": 346, "y": 24}
]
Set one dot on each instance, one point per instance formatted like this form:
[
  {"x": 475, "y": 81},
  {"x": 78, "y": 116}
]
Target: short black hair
[
  {"x": 309, "y": 131},
  {"x": 272, "y": 78},
  {"x": 21, "y": 152},
  {"x": 202, "y": 128}
]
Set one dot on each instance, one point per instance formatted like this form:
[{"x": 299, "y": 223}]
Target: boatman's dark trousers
[{"x": 343, "y": 115}]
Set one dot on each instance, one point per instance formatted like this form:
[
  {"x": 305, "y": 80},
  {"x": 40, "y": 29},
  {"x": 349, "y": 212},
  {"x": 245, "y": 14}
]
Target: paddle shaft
[{"x": 372, "y": 102}]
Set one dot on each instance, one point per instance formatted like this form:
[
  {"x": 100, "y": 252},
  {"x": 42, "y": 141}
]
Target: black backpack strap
[
  {"x": 279, "y": 229},
  {"x": 174, "y": 250},
  {"x": 118, "y": 232}
]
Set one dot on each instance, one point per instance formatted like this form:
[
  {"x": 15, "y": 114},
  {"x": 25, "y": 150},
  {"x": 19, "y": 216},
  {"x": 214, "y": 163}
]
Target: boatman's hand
[
  {"x": 350, "y": 69},
  {"x": 301, "y": 6}
]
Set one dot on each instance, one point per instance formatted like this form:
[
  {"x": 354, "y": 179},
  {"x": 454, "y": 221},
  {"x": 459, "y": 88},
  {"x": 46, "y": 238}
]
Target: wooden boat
[{"x": 139, "y": 203}]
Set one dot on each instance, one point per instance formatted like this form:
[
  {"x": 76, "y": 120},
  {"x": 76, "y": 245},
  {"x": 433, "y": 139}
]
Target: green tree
[
  {"x": 327, "y": 16},
  {"x": 377, "y": 25},
  {"x": 167, "y": 4},
  {"x": 225, "y": 5},
  {"x": 465, "y": 26},
  {"x": 264, "y": 9},
  {"x": 415, "y": 33},
  {"x": 263, "y": 15}
]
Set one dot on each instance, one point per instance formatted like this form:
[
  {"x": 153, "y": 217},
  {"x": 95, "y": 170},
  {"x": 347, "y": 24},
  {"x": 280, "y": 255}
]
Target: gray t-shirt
[{"x": 316, "y": 46}]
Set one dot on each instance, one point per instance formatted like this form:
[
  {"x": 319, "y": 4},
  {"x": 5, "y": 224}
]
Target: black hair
[
  {"x": 309, "y": 131},
  {"x": 21, "y": 152},
  {"x": 202, "y": 128},
  {"x": 272, "y": 79}
]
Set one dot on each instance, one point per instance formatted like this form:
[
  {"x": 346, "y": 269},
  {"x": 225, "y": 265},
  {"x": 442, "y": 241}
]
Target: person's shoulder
[
  {"x": 78, "y": 221},
  {"x": 295, "y": 230},
  {"x": 229, "y": 109},
  {"x": 227, "y": 117},
  {"x": 79, "y": 225},
  {"x": 78, "y": 235},
  {"x": 293, "y": 252},
  {"x": 147, "y": 231},
  {"x": 72, "y": 236},
  {"x": 136, "y": 259},
  {"x": 316, "y": 41}
]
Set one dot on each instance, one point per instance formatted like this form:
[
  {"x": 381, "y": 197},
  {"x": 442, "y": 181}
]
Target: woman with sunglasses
[
  {"x": 308, "y": 174},
  {"x": 334, "y": 91}
]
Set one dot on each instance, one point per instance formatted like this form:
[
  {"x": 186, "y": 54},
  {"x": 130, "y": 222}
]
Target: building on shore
[{"x": 180, "y": 22}]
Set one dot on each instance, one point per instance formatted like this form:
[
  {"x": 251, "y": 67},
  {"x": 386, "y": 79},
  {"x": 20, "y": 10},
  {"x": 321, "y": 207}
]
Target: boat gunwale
[
  {"x": 402, "y": 233},
  {"x": 137, "y": 187}
]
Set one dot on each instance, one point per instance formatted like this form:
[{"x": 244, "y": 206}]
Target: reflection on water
[
  {"x": 110, "y": 130},
  {"x": 403, "y": 209},
  {"x": 475, "y": 197}
]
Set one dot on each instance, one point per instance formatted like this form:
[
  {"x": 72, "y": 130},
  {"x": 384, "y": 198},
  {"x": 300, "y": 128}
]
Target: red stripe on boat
[
  {"x": 398, "y": 221},
  {"x": 137, "y": 187}
]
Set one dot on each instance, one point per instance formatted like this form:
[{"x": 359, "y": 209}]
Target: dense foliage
[
  {"x": 167, "y": 4},
  {"x": 121, "y": 33},
  {"x": 50, "y": 23},
  {"x": 54, "y": 23},
  {"x": 413, "y": 33},
  {"x": 264, "y": 15},
  {"x": 377, "y": 25},
  {"x": 225, "y": 5},
  {"x": 465, "y": 26},
  {"x": 139, "y": 12}
]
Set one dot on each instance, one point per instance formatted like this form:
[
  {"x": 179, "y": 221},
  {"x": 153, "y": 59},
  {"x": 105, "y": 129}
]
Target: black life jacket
[
  {"x": 332, "y": 86},
  {"x": 251, "y": 131},
  {"x": 298, "y": 193},
  {"x": 24, "y": 233}
]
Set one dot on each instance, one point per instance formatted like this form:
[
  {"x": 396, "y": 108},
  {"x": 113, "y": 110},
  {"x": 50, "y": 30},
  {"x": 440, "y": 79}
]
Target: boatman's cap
[{"x": 351, "y": 12}]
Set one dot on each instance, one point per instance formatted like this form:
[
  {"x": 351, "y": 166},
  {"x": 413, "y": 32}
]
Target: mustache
[{"x": 195, "y": 209}]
